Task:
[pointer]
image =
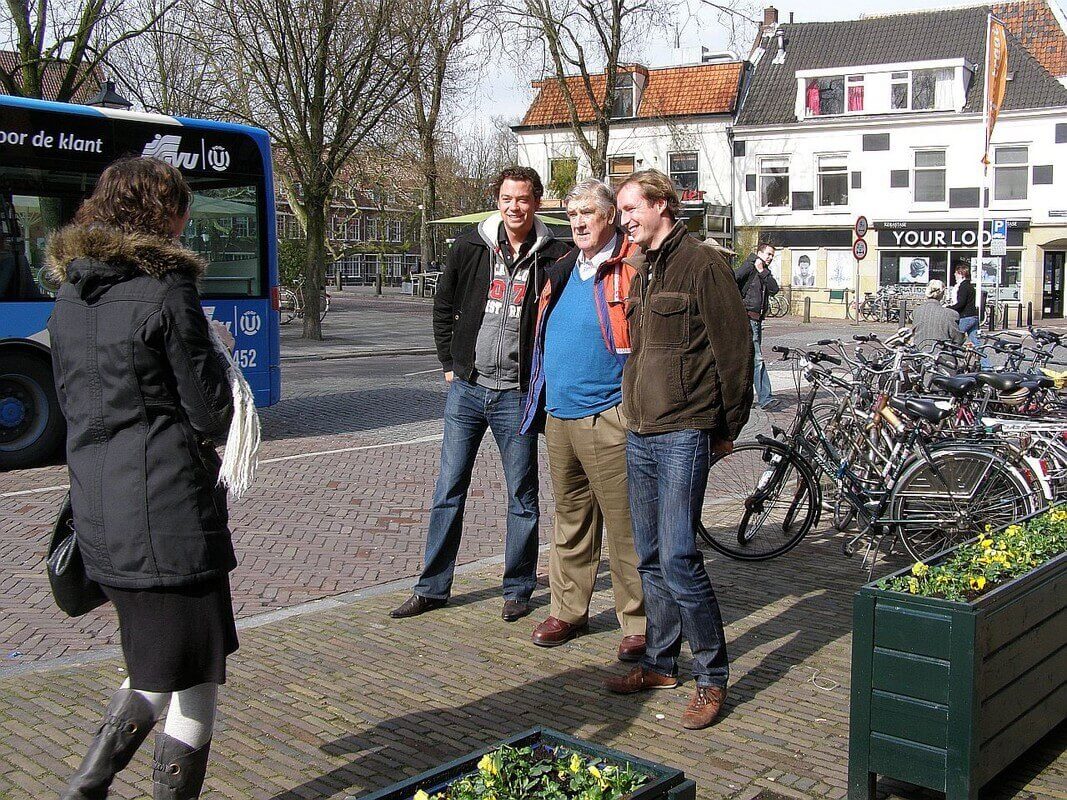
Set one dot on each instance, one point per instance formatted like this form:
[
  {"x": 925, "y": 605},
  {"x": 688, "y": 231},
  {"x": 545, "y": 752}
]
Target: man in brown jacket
[{"x": 686, "y": 393}]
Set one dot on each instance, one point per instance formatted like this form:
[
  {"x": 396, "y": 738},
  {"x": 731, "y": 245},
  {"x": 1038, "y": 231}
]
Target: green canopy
[
  {"x": 217, "y": 207},
  {"x": 478, "y": 216}
]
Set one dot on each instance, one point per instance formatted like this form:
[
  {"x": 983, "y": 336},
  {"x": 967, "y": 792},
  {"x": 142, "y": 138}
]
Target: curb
[{"x": 418, "y": 351}]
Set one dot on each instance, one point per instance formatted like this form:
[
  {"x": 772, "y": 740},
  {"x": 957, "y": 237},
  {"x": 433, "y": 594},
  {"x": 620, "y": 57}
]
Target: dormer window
[
  {"x": 624, "y": 95},
  {"x": 881, "y": 89}
]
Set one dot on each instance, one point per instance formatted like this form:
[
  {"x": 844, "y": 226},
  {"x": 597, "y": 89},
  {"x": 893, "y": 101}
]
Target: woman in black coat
[{"x": 144, "y": 393}]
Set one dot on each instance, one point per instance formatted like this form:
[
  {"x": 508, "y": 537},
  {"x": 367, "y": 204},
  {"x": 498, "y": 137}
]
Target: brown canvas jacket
[{"x": 692, "y": 360}]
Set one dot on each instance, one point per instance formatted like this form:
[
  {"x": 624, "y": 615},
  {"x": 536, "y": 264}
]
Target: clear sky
[{"x": 503, "y": 90}]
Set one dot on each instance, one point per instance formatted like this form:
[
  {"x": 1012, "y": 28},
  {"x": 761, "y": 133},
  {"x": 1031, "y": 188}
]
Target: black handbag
[{"x": 75, "y": 592}]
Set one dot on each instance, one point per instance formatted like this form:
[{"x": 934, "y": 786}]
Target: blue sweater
[{"x": 582, "y": 377}]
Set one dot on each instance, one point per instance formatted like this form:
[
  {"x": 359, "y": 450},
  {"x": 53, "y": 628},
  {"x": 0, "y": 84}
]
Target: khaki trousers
[{"x": 587, "y": 461}]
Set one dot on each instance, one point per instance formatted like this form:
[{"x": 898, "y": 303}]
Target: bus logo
[
  {"x": 218, "y": 158},
  {"x": 250, "y": 323},
  {"x": 165, "y": 148}
]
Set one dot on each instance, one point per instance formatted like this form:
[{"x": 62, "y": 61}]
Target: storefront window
[{"x": 912, "y": 268}]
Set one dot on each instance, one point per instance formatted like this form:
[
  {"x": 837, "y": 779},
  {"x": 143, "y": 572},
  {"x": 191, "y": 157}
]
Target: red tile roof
[
  {"x": 53, "y": 78},
  {"x": 1035, "y": 25},
  {"x": 670, "y": 92}
]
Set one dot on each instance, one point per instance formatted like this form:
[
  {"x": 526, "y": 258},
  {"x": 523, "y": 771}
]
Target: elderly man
[
  {"x": 932, "y": 323},
  {"x": 687, "y": 392},
  {"x": 580, "y": 345}
]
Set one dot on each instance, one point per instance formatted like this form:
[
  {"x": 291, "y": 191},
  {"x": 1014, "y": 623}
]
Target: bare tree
[
  {"x": 585, "y": 42},
  {"x": 434, "y": 71},
  {"x": 322, "y": 76},
  {"x": 69, "y": 41},
  {"x": 470, "y": 162}
]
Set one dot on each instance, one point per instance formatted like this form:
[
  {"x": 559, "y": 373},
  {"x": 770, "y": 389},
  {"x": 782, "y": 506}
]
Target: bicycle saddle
[
  {"x": 915, "y": 407},
  {"x": 958, "y": 386},
  {"x": 1001, "y": 381}
]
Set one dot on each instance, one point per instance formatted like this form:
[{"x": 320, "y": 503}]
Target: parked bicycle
[{"x": 291, "y": 302}]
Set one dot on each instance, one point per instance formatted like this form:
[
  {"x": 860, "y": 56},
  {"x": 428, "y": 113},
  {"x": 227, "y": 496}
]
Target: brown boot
[
  {"x": 639, "y": 679},
  {"x": 704, "y": 707}
]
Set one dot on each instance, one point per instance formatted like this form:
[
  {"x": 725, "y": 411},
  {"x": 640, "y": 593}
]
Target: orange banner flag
[{"x": 996, "y": 77}]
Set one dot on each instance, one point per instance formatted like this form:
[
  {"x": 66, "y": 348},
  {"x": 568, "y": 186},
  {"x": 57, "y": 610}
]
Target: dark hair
[
  {"x": 655, "y": 186},
  {"x": 526, "y": 174},
  {"x": 764, "y": 243},
  {"x": 137, "y": 195},
  {"x": 964, "y": 269}
]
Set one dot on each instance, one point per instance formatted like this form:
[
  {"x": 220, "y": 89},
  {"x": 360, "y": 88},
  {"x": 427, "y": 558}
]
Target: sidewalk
[{"x": 336, "y": 702}]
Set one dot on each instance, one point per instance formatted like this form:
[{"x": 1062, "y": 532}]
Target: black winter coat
[
  {"x": 757, "y": 288},
  {"x": 143, "y": 392},
  {"x": 459, "y": 304}
]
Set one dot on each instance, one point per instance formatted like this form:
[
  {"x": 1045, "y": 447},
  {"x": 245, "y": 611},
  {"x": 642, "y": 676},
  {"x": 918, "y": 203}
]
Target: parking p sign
[{"x": 998, "y": 243}]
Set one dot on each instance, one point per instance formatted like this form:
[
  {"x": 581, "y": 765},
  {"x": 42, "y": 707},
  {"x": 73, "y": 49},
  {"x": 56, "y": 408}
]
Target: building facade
[
  {"x": 881, "y": 118},
  {"x": 675, "y": 119}
]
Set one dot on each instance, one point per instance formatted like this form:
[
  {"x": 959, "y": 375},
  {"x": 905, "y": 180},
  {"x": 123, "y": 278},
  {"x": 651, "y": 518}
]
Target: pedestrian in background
[
  {"x": 144, "y": 393},
  {"x": 483, "y": 325},
  {"x": 933, "y": 323},
  {"x": 966, "y": 306},
  {"x": 686, "y": 393},
  {"x": 581, "y": 342},
  {"x": 758, "y": 286}
]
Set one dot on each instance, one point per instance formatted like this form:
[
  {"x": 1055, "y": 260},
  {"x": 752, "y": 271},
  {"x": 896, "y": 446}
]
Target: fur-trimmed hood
[{"x": 93, "y": 258}]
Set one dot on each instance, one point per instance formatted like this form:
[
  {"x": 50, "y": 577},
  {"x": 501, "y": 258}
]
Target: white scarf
[{"x": 241, "y": 456}]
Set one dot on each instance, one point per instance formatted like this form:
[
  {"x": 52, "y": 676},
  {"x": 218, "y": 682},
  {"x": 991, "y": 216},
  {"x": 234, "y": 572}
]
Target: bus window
[
  {"x": 224, "y": 229},
  {"x": 25, "y": 223}
]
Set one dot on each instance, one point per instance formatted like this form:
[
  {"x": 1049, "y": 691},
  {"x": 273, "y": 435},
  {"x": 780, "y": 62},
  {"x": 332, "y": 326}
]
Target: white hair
[
  {"x": 599, "y": 192},
  {"x": 935, "y": 289}
]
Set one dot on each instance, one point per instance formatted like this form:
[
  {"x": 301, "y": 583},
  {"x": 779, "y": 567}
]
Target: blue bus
[{"x": 51, "y": 155}]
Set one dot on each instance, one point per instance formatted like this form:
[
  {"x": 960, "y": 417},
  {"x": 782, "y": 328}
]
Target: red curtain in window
[
  {"x": 855, "y": 98},
  {"x": 813, "y": 98}
]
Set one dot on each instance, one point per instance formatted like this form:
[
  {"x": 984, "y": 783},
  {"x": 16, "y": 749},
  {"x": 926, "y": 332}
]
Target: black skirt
[{"x": 176, "y": 637}]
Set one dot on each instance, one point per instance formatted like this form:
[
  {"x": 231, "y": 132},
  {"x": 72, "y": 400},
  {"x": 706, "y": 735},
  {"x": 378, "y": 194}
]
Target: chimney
[
  {"x": 790, "y": 17},
  {"x": 770, "y": 16}
]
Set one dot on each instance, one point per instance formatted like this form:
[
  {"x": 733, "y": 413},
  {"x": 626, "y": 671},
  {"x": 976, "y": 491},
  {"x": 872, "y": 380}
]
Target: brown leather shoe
[
  {"x": 631, "y": 648},
  {"x": 415, "y": 605},
  {"x": 639, "y": 679},
  {"x": 515, "y": 609},
  {"x": 704, "y": 707},
  {"x": 554, "y": 631}
]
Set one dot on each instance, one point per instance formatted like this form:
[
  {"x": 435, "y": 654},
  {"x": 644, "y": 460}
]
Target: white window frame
[
  {"x": 671, "y": 172},
  {"x": 821, "y": 207},
  {"x": 916, "y": 169},
  {"x": 877, "y": 78},
  {"x": 1024, "y": 166},
  {"x": 760, "y": 173},
  {"x": 620, "y": 92}
]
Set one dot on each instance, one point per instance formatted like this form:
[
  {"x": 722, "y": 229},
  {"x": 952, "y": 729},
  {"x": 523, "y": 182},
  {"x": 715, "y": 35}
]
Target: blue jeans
[
  {"x": 969, "y": 325},
  {"x": 469, "y": 411},
  {"x": 668, "y": 473},
  {"x": 761, "y": 380}
]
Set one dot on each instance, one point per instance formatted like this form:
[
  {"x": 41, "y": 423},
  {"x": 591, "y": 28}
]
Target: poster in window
[
  {"x": 803, "y": 268},
  {"x": 990, "y": 270},
  {"x": 914, "y": 269},
  {"x": 840, "y": 266}
]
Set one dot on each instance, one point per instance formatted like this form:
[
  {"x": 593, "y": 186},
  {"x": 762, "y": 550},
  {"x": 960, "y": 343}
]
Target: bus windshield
[{"x": 224, "y": 227}]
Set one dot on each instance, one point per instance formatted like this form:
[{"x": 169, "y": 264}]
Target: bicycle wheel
[
  {"x": 324, "y": 304},
  {"x": 760, "y": 502},
  {"x": 868, "y": 310},
  {"x": 954, "y": 496},
  {"x": 778, "y": 306},
  {"x": 286, "y": 306}
]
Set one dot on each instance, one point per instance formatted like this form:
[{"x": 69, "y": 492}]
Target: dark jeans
[
  {"x": 969, "y": 325},
  {"x": 469, "y": 411},
  {"x": 668, "y": 473}
]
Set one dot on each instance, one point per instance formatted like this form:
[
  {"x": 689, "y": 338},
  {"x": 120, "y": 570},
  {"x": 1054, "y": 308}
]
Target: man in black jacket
[
  {"x": 757, "y": 286},
  {"x": 483, "y": 325}
]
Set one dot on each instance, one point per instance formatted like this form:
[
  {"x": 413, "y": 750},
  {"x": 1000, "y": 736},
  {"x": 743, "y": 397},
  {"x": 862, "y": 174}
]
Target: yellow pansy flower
[
  {"x": 920, "y": 569},
  {"x": 913, "y": 586},
  {"x": 576, "y": 763},
  {"x": 978, "y": 583},
  {"x": 421, "y": 795}
]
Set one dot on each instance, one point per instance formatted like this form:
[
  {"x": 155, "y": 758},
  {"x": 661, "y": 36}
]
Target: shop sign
[
  {"x": 957, "y": 235},
  {"x": 692, "y": 196}
]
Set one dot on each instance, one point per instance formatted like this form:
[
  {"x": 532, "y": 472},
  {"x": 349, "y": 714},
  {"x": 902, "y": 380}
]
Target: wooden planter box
[
  {"x": 946, "y": 694},
  {"x": 666, "y": 782}
]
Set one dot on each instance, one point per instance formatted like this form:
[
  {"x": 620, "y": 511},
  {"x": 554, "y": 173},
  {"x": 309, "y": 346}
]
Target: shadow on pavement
[{"x": 350, "y": 412}]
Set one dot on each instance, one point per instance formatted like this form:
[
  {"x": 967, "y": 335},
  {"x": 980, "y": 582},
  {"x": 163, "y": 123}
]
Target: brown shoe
[
  {"x": 514, "y": 610},
  {"x": 639, "y": 679},
  {"x": 415, "y": 605},
  {"x": 554, "y": 631},
  {"x": 631, "y": 648},
  {"x": 704, "y": 707}
]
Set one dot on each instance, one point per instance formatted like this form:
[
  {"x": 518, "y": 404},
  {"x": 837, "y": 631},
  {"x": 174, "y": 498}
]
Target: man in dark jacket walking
[
  {"x": 483, "y": 325},
  {"x": 686, "y": 392},
  {"x": 758, "y": 286}
]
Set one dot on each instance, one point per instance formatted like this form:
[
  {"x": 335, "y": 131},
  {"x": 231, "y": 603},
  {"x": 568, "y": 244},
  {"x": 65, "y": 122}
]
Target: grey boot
[
  {"x": 179, "y": 770},
  {"x": 129, "y": 719}
]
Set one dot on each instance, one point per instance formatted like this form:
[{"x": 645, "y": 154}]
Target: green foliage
[
  {"x": 992, "y": 560},
  {"x": 564, "y": 176},
  {"x": 292, "y": 255},
  {"x": 541, "y": 773}
]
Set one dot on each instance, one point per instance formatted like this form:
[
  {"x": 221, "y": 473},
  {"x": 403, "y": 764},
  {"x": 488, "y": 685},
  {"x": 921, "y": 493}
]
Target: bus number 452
[{"x": 245, "y": 358}]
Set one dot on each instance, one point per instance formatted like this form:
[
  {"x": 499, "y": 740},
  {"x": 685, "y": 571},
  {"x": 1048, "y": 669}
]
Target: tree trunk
[
  {"x": 314, "y": 267},
  {"x": 429, "y": 206}
]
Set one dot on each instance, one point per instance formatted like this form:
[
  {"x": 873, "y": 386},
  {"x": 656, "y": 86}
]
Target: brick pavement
[{"x": 335, "y": 703}]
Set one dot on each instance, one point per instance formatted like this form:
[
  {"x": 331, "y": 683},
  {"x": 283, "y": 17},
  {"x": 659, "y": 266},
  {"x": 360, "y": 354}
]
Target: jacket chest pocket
[{"x": 667, "y": 320}]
